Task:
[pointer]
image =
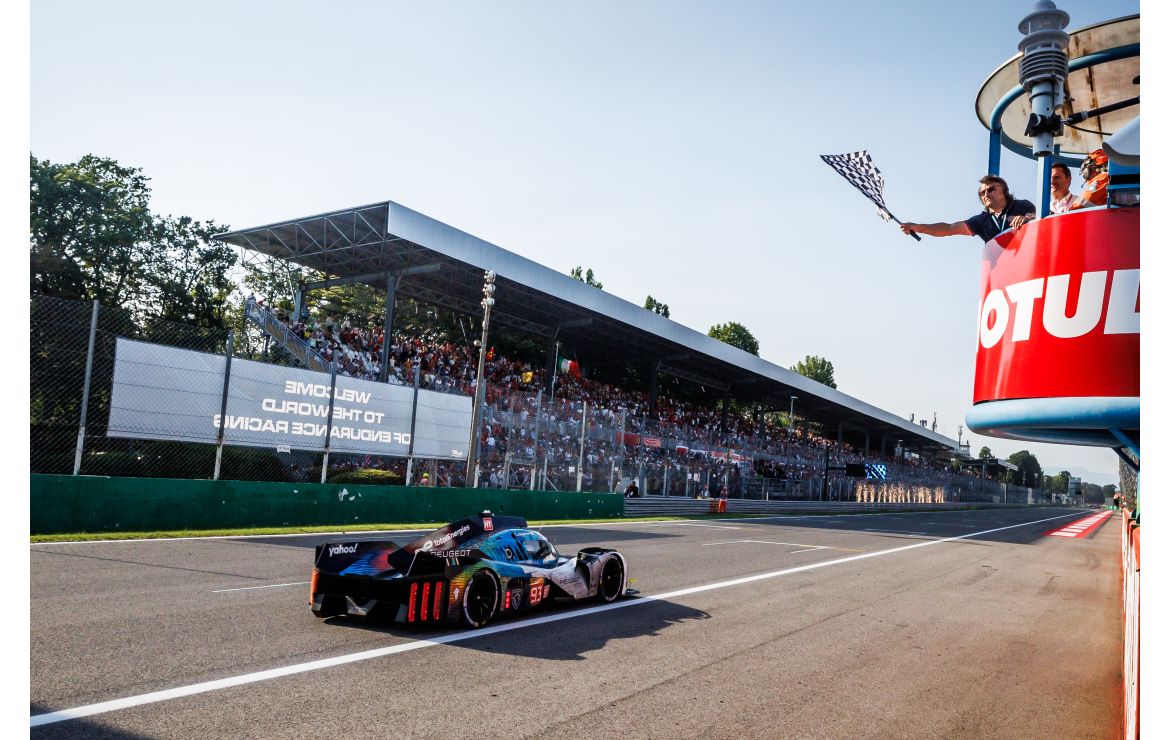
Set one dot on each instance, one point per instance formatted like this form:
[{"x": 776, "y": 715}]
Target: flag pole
[{"x": 912, "y": 232}]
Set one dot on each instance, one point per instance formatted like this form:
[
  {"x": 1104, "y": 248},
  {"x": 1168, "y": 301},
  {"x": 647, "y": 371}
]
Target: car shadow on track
[
  {"x": 75, "y": 728},
  {"x": 565, "y": 639}
]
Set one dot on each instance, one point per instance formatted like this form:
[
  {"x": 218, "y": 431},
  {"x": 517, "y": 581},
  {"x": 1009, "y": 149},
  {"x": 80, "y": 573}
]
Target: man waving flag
[{"x": 858, "y": 169}]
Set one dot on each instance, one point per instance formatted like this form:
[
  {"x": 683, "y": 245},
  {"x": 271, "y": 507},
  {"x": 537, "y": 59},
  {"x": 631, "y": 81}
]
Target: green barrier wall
[{"x": 66, "y": 503}]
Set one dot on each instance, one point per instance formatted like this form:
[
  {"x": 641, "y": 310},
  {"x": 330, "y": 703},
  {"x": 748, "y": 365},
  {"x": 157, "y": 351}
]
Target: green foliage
[
  {"x": 661, "y": 309},
  {"x": 88, "y": 222},
  {"x": 986, "y": 454},
  {"x": 587, "y": 278},
  {"x": 816, "y": 368},
  {"x": 150, "y": 459},
  {"x": 1057, "y": 483},
  {"x": 93, "y": 237},
  {"x": 1028, "y": 466},
  {"x": 737, "y": 335}
]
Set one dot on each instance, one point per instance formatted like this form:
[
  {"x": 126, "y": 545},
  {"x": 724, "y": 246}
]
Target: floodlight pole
[{"x": 489, "y": 289}]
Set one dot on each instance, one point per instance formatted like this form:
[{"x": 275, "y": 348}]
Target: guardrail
[{"x": 1131, "y": 561}]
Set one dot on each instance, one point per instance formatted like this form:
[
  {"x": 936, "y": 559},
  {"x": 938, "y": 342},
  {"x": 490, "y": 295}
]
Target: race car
[{"x": 469, "y": 571}]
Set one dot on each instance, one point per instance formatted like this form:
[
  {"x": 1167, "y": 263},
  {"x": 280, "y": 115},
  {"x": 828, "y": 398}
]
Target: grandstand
[{"x": 407, "y": 254}]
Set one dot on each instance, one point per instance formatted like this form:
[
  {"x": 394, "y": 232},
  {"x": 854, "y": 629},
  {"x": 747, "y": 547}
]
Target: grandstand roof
[{"x": 369, "y": 242}]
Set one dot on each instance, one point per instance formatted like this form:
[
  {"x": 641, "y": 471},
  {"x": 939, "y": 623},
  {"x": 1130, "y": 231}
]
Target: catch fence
[{"x": 209, "y": 412}]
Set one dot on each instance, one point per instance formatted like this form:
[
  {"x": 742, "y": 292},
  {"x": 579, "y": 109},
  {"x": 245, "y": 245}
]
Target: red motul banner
[
  {"x": 1059, "y": 313},
  {"x": 652, "y": 441}
]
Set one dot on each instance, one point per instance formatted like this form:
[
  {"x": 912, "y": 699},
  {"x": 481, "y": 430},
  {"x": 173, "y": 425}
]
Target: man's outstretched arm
[{"x": 958, "y": 228}]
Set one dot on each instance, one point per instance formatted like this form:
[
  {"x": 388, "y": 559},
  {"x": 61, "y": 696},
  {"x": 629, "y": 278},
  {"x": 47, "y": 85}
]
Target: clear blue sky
[{"x": 670, "y": 146}]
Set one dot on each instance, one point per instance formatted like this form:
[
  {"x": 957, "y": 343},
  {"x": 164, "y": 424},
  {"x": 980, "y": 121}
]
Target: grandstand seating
[{"x": 522, "y": 431}]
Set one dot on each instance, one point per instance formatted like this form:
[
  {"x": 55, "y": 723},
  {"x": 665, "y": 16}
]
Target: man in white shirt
[{"x": 1062, "y": 199}]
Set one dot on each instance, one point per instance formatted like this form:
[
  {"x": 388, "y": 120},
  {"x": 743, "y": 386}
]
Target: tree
[
  {"x": 737, "y": 335},
  {"x": 661, "y": 309},
  {"x": 93, "y": 237},
  {"x": 587, "y": 278},
  {"x": 88, "y": 223},
  {"x": 1058, "y": 483},
  {"x": 986, "y": 454},
  {"x": 816, "y": 368},
  {"x": 187, "y": 273},
  {"x": 1028, "y": 467}
]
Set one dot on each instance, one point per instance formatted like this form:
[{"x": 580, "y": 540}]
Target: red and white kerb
[{"x": 1081, "y": 527}]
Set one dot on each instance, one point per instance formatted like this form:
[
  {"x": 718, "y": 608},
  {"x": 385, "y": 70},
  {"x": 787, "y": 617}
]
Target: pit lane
[{"x": 822, "y": 626}]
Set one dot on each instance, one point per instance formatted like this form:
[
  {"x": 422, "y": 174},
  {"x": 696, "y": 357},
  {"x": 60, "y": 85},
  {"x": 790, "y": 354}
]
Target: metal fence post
[
  {"x": 227, "y": 376},
  {"x": 581, "y": 452},
  {"x": 85, "y": 390},
  {"x": 536, "y": 436},
  {"x": 413, "y": 419},
  {"x": 329, "y": 420}
]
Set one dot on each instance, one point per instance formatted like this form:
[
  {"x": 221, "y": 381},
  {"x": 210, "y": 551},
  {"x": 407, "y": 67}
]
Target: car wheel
[
  {"x": 613, "y": 575},
  {"x": 481, "y": 600}
]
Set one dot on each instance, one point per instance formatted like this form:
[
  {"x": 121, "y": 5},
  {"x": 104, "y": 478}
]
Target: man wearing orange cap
[{"x": 1095, "y": 170}]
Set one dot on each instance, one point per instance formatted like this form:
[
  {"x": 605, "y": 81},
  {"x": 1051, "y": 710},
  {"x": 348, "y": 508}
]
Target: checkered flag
[{"x": 858, "y": 169}]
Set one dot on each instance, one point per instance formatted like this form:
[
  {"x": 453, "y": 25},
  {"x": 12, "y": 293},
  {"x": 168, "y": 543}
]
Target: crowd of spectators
[{"x": 685, "y": 447}]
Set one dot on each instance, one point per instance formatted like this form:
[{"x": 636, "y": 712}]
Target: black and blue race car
[{"x": 469, "y": 571}]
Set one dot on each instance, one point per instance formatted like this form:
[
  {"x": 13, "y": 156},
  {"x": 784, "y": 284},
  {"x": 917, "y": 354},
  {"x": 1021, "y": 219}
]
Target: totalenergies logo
[{"x": 1120, "y": 307}]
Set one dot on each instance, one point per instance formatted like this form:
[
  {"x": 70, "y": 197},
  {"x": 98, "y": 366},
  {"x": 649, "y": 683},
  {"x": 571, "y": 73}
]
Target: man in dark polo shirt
[{"x": 1001, "y": 211}]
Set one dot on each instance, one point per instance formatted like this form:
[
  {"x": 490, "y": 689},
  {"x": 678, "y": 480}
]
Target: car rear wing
[{"x": 369, "y": 558}]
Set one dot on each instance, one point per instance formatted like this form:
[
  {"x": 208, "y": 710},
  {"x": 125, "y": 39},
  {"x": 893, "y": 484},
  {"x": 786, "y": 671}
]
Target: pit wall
[{"x": 66, "y": 504}]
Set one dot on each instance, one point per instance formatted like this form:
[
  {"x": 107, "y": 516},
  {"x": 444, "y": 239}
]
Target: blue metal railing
[{"x": 285, "y": 336}]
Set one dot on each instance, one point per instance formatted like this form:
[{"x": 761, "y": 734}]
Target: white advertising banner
[{"x": 175, "y": 394}]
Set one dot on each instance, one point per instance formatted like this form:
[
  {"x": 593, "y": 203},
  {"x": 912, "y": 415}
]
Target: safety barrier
[
  {"x": 65, "y": 503},
  {"x": 1131, "y": 551}
]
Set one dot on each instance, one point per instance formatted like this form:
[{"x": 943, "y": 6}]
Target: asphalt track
[{"x": 927, "y": 624}]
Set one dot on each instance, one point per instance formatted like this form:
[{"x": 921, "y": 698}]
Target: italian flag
[{"x": 571, "y": 367}]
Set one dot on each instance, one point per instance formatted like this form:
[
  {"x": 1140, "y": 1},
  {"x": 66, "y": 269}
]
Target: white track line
[
  {"x": 768, "y": 542},
  {"x": 153, "y": 697},
  {"x": 691, "y": 524},
  {"x": 254, "y": 588}
]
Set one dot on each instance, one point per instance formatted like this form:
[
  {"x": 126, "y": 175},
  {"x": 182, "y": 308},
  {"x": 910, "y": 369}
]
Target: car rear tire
[
  {"x": 481, "y": 600},
  {"x": 613, "y": 576}
]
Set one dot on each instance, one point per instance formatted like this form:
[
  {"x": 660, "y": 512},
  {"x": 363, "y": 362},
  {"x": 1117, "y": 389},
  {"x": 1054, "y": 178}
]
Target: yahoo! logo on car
[
  {"x": 1120, "y": 310},
  {"x": 342, "y": 549}
]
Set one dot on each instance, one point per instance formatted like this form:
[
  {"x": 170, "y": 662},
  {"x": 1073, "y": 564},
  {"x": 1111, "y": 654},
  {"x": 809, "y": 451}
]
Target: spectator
[
  {"x": 1095, "y": 171},
  {"x": 1001, "y": 211},
  {"x": 632, "y": 489},
  {"x": 1062, "y": 199}
]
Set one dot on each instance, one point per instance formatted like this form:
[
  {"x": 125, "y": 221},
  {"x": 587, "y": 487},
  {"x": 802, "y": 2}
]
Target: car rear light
[
  {"x": 313, "y": 585},
  {"x": 422, "y": 605}
]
